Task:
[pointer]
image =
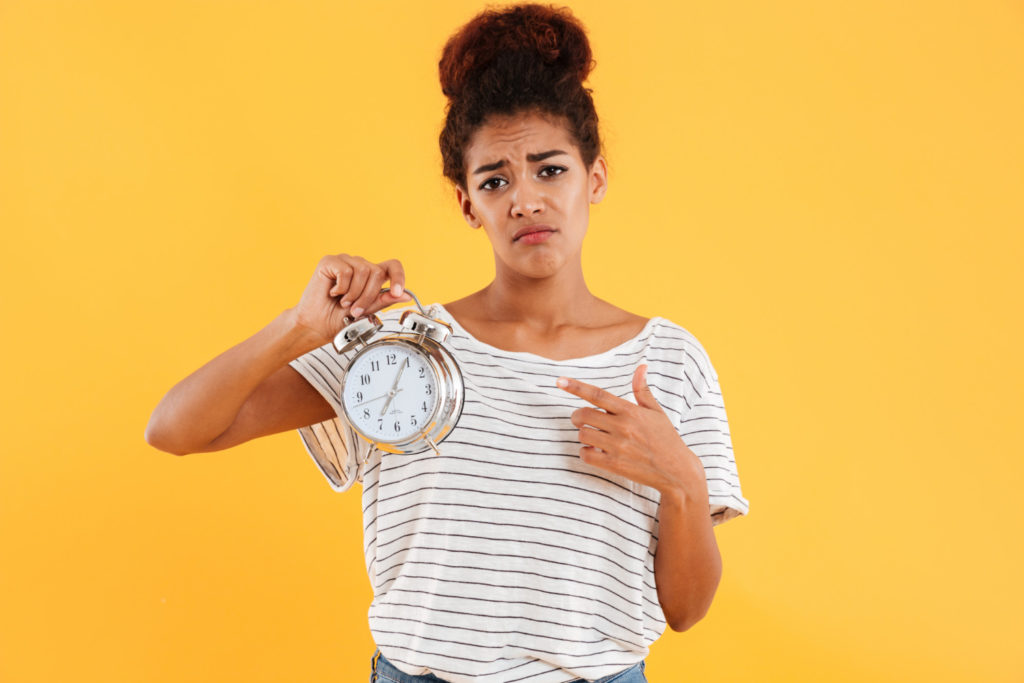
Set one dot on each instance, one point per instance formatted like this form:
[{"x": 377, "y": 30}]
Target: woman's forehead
[{"x": 518, "y": 136}]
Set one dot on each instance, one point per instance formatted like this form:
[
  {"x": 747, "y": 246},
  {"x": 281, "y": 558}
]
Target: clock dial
[{"x": 390, "y": 392}]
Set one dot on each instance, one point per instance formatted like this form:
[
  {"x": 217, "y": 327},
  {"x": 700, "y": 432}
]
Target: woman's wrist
[{"x": 295, "y": 339}]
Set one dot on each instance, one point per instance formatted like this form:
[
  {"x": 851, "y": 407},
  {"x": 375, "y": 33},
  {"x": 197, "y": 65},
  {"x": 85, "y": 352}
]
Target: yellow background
[{"x": 828, "y": 195}]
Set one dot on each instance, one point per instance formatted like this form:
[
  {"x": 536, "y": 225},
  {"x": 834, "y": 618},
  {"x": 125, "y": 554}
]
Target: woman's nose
[{"x": 527, "y": 200}]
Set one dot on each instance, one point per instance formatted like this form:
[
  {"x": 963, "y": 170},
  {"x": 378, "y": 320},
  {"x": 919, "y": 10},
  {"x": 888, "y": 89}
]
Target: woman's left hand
[{"x": 638, "y": 442}]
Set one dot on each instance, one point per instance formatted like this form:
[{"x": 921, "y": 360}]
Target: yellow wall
[{"x": 829, "y": 195}]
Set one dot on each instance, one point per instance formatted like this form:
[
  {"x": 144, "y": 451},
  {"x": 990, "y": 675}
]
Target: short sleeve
[
  {"x": 705, "y": 430},
  {"x": 337, "y": 450}
]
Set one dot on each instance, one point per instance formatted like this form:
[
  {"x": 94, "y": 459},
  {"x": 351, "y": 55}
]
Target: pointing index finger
[{"x": 596, "y": 395}]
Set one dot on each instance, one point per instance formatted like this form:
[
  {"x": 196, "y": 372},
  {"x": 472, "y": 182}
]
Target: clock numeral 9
[{"x": 359, "y": 396}]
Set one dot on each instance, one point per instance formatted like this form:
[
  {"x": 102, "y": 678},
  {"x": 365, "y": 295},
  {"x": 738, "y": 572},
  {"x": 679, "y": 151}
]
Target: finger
[
  {"x": 396, "y": 276},
  {"x": 338, "y": 272},
  {"x": 371, "y": 292},
  {"x": 593, "y": 417},
  {"x": 599, "y": 397},
  {"x": 598, "y": 439},
  {"x": 641, "y": 391},
  {"x": 592, "y": 456},
  {"x": 360, "y": 274}
]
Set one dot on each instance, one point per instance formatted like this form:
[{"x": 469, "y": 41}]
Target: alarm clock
[{"x": 403, "y": 392}]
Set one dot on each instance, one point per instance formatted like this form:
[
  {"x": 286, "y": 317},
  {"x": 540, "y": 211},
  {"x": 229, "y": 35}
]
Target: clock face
[{"x": 390, "y": 392}]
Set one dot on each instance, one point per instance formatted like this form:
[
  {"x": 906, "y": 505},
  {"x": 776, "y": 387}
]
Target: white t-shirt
[{"x": 506, "y": 558}]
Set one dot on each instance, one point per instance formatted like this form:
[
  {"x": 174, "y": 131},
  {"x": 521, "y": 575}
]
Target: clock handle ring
[{"x": 418, "y": 304}]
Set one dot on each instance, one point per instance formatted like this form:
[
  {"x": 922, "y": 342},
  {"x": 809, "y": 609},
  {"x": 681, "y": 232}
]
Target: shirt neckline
[{"x": 527, "y": 356}]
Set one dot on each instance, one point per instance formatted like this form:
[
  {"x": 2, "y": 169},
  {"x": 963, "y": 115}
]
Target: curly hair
[{"x": 526, "y": 57}]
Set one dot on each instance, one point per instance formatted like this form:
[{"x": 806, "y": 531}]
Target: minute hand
[{"x": 394, "y": 387}]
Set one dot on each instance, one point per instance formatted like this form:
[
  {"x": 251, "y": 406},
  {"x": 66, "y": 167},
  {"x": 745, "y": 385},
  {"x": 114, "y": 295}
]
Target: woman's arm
[
  {"x": 687, "y": 564},
  {"x": 640, "y": 443},
  {"x": 249, "y": 390},
  {"x": 251, "y": 383}
]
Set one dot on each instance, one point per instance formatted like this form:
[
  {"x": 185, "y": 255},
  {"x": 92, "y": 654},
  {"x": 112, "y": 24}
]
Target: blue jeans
[{"x": 384, "y": 671}]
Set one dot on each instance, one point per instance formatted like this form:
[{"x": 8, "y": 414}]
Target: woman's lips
[{"x": 535, "y": 237}]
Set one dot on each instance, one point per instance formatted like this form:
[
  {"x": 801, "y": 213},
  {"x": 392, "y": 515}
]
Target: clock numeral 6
[{"x": 398, "y": 426}]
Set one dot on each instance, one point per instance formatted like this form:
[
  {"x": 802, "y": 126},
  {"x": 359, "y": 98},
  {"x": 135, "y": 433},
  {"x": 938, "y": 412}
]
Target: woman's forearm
[
  {"x": 202, "y": 406},
  {"x": 687, "y": 563}
]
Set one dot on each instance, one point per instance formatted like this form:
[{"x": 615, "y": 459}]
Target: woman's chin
[{"x": 538, "y": 266}]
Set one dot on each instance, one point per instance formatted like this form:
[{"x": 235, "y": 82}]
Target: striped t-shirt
[{"x": 506, "y": 557}]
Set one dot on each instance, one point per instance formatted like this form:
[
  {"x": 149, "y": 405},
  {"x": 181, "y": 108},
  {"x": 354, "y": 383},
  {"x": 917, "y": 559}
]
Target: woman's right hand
[{"x": 347, "y": 285}]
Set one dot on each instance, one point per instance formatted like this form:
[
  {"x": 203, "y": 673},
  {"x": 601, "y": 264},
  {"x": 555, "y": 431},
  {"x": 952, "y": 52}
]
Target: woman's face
[{"x": 524, "y": 174}]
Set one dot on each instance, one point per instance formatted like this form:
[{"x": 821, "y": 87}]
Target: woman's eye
[
  {"x": 557, "y": 170},
  {"x": 487, "y": 183}
]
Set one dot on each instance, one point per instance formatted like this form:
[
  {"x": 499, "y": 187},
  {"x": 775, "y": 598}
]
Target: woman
[{"x": 566, "y": 519}]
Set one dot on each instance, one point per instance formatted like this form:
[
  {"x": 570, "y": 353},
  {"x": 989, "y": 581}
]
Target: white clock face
[{"x": 390, "y": 392}]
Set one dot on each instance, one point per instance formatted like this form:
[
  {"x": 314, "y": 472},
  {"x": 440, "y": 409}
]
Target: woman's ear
[
  {"x": 466, "y": 207},
  {"x": 598, "y": 179}
]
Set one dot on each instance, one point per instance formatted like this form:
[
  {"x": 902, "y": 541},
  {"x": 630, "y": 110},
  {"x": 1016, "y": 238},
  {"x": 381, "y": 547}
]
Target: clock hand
[
  {"x": 394, "y": 387},
  {"x": 369, "y": 400},
  {"x": 390, "y": 396},
  {"x": 375, "y": 398}
]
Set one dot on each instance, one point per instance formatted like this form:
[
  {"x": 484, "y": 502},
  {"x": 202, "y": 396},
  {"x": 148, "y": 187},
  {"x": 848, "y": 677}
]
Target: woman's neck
[{"x": 542, "y": 304}]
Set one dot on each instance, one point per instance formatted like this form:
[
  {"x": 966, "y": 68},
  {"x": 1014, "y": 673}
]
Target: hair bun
[{"x": 545, "y": 39}]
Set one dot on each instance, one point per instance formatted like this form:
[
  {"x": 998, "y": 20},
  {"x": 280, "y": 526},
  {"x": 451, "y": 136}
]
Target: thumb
[{"x": 642, "y": 392}]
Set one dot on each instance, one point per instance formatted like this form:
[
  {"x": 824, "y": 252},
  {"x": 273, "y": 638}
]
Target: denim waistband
[{"x": 383, "y": 671}]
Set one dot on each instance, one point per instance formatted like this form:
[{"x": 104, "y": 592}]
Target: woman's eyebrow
[{"x": 540, "y": 156}]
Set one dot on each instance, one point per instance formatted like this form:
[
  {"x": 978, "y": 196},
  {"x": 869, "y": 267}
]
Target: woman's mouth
[{"x": 534, "y": 234}]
